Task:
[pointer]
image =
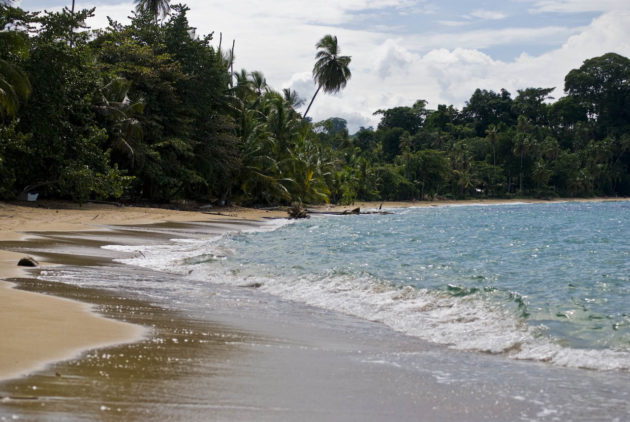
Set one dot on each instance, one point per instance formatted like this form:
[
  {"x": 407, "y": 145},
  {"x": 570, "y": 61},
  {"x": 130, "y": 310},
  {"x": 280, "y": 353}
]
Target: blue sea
[{"x": 543, "y": 282}]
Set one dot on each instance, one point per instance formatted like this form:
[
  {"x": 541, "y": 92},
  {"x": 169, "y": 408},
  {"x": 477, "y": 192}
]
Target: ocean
[
  {"x": 544, "y": 282},
  {"x": 474, "y": 312}
]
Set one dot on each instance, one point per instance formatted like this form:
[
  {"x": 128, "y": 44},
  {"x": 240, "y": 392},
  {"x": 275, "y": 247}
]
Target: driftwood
[
  {"x": 355, "y": 211},
  {"x": 297, "y": 211}
]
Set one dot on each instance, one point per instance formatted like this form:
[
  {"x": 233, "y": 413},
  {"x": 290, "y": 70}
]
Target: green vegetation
[
  {"x": 150, "y": 112},
  {"x": 331, "y": 70}
]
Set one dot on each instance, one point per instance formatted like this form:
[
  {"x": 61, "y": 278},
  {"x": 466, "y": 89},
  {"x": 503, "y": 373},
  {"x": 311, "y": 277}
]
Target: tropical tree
[
  {"x": 601, "y": 86},
  {"x": 331, "y": 71},
  {"x": 157, "y": 8},
  {"x": 258, "y": 83},
  {"x": 15, "y": 86},
  {"x": 125, "y": 131},
  {"x": 292, "y": 98}
]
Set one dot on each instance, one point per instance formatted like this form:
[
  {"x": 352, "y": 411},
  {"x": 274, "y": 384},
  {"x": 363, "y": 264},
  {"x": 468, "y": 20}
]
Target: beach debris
[
  {"x": 28, "y": 261},
  {"x": 296, "y": 210},
  {"x": 17, "y": 398},
  {"x": 355, "y": 211}
]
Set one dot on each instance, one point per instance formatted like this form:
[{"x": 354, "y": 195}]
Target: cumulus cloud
[
  {"x": 303, "y": 84},
  {"x": 450, "y": 76},
  {"x": 392, "y": 56}
]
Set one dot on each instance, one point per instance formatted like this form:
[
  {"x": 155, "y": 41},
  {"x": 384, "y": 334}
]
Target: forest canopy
[{"x": 149, "y": 111}]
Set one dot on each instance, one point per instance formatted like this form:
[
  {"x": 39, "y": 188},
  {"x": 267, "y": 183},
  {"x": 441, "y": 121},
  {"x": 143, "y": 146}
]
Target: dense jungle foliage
[{"x": 151, "y": 112}]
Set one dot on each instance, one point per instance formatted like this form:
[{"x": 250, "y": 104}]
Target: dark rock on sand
[{"x": 27, "y": 261}]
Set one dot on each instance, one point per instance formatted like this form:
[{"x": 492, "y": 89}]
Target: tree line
[{"x": 149, "y": 111}]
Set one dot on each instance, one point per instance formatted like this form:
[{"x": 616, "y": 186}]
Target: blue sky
[{"x": 405, "y": 50}]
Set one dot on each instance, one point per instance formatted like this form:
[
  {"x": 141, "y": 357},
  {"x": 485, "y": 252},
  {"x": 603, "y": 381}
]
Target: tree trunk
[
  {"x": 520, "y": 177},
  {"x": 311, "y": 103}
]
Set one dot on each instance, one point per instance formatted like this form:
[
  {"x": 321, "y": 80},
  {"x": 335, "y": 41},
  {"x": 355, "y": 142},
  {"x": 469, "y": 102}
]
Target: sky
[{"x": 402, "y": 50}]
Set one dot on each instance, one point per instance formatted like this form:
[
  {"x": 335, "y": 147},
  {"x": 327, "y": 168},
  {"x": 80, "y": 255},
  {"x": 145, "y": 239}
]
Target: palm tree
[
  {"x": 157, "y": 8},
  {"x": 331, "y": 71},
  {"x": 14, "y": 87},
  {"x": 14, "y": 84},
  {"x": 291, "y": 98},
  {"x": 492, "y": 137},
  {"x": 122, "y": 114},
  {"x": 258, "y": 82}
]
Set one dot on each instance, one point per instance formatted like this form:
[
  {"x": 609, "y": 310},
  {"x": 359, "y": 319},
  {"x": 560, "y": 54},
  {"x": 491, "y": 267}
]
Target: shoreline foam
[
  {"x": 255, "y": 356},
  {"x": 416, "y": 312},
  {"x": 38, "y": 319},
  {"x": 40, "y": 329}
]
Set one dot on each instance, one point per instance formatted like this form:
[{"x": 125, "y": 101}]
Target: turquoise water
[
  {"x": 558, "y": 272},
  {"x": 548, "y": 282}
]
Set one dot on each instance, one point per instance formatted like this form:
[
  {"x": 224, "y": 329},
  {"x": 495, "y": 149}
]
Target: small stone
[{"x": 27, "y": 261}]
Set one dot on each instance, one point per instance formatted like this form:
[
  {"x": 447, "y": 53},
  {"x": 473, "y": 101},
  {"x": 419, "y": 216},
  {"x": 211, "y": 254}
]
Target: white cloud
[
  {"x": 453, "y": 23},
  {"x": 118, "y": 12},
  {"x": 480, "y": 39},
  {"x": 488, "y": 14},
  {"x": 392, "y": 56},
  {"x": 577, "y": 6},
  {"x": 450, "y": 76}
]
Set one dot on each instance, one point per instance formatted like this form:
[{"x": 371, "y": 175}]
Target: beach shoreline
[
  {"x": 43, "y": 329},
  {"x": 40, "y": 329},
  {"x": 236, "y": 351}
]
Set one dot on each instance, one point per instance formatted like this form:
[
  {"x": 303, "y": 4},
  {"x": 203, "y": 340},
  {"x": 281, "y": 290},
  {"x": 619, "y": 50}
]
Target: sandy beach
[
  {"x": 39, "y": 329},
  {"x": 44, "y": 329},
  {"x": 254, "y": 357}
]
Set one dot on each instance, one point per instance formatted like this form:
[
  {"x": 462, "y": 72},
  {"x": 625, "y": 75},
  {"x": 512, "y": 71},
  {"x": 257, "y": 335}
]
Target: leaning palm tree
[
  {"x": 331, "y": 71},
  {"x": 157, "y": 8}
]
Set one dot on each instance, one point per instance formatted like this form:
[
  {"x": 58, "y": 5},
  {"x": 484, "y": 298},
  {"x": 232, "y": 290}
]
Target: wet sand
[
  {"x": 40, "y": 329},
  {"x": 51, "y": 329},
  {"x": 277, "y": 367},
  {"x": 30, "y": 321},
  {"x": 258, "y": 359}
]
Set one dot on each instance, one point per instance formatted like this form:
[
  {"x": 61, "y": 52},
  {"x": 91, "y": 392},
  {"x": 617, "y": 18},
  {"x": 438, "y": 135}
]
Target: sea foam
[{"x": 544, "y": 282}]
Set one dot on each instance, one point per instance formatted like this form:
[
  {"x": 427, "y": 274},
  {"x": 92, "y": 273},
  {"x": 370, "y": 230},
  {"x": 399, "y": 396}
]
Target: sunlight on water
[{"x": 546, "y": 282}]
